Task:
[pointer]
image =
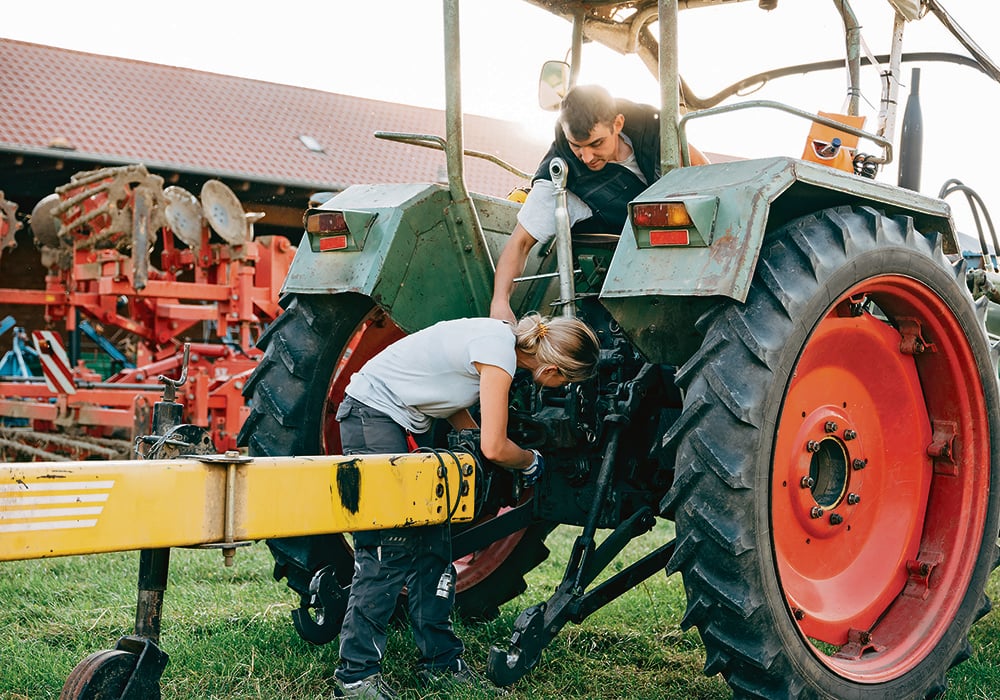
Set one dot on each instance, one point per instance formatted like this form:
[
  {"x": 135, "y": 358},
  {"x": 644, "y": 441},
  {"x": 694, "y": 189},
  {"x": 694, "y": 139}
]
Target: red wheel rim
[
  {"x": 869, "y": 552},
  {"x": 375, "y": 333}
]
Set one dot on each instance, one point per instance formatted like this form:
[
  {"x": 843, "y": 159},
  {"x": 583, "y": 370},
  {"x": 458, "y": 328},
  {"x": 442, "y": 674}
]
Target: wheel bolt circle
[
  {"x": 815, "y": 512},
  {"x": 812, "y": 446},
  {"x": 831, "y": 426},
  {"x": 807, "y": 482},
  {"x": 850, "y": 434},
  {"x": 859, "y": 464},
  {"x": 853, "y": 499},
  {"x": 836, "y": 518}
]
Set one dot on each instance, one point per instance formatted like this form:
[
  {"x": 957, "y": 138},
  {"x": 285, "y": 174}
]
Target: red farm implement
[{"x": 214, "y": 286}]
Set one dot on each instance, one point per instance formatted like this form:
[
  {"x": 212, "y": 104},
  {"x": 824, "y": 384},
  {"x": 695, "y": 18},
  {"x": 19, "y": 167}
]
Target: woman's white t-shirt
[{"x": 430, "y": 374}]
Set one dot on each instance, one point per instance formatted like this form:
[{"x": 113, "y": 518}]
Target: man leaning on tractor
[{"x": 612, "y": 151}]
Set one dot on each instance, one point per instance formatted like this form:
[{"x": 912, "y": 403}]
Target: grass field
[{"x": 229, "y": 635}]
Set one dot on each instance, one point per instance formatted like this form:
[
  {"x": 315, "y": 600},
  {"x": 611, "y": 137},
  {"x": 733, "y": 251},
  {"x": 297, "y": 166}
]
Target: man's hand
[
  {"x": 531, "y": 475},
  {"x": 500, "y": 310}
]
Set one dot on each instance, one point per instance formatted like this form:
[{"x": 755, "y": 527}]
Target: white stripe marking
[
  {"x": 26, "y": 513},
  {"x": 48, "y": 525},
  {"x": 54, "y": 361},
  {"x": 15, "y": 501},
  {"x": 25, "y": 486}
]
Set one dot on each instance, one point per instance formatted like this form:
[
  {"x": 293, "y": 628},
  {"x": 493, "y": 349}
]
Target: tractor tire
[
  {"x": 835, "y": 494},
  {"x": 310, "y": 353}
]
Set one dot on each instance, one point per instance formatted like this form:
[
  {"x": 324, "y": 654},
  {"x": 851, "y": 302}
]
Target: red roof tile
[{"x": 232, "y": 126}]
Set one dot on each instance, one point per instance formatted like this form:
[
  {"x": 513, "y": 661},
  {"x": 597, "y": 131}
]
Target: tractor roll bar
[
  {"x": 466, "y": 212},
  {"x": 431, "y": 141},
  {"x": 885, "y": 143}
]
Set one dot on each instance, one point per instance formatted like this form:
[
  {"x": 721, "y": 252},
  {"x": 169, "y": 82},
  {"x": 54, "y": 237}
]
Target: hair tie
[{"x": 543, "y": 330}]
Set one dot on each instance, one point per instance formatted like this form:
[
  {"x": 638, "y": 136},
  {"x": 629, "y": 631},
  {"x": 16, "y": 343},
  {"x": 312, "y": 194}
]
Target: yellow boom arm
[{"x": 50, "y": 510}]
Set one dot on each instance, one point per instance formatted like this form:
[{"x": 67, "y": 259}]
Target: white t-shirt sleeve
[
  {"x": 493, "y": 350},
  {"x": 538, "y": 213}
]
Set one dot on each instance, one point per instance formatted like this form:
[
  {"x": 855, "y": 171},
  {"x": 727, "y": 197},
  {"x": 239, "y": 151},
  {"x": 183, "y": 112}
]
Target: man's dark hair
[{"x": 584, "y": 107}]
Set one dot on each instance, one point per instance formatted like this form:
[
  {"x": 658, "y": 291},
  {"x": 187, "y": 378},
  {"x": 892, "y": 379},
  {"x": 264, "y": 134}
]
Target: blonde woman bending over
[{"x": 438, "y": 372}]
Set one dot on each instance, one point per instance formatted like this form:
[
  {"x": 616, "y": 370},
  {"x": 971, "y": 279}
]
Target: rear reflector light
[
  {"x": 664, "y": 214},
  {"x": 333, "y": 243},
  {"x": 675, "y": 237},
  {"x": 326, "y": 222}
]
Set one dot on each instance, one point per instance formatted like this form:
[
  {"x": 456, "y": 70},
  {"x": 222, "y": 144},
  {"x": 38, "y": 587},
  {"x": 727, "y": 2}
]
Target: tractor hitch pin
[
  {"x": 170, "y": 386},
  {"x": 230, "y": 459}
]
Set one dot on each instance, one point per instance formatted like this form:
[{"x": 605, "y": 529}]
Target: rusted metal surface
[
  {"x": 57, "y": 447},
  {"x": 653, "y": 293},
  {"x": 417, "y": 240}
]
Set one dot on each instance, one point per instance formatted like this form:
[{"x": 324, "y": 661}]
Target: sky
[{"x": 392, "y": 50}]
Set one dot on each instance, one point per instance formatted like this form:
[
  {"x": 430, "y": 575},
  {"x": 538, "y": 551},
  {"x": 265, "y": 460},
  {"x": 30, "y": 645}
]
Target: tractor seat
[{"x": 597, "y": 239}]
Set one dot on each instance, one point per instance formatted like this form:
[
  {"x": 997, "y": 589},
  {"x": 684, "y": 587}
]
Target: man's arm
[{"x": 510, "y": 265}]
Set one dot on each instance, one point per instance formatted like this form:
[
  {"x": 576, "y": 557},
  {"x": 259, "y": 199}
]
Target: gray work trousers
[{"x": 386, "y": 560}]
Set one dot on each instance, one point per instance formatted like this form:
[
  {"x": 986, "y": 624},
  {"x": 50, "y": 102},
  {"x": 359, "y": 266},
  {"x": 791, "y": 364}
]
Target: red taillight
[
  {"x": 663, "y": 214},
  {"x": 332, "y": 243},
  {"x": 326, "y": 222},
  {"x": 675, "y": 237}
]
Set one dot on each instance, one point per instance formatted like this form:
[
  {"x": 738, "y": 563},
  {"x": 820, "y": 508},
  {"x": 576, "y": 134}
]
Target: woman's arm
[
  {"x": 462, "y": 420},
  {"x": 494, "y": 390}
]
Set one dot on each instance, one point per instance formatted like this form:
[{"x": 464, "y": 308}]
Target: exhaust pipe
[{"x": 911, "y": 139}]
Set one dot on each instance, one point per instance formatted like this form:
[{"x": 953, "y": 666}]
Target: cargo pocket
[{"x": 344, "y": 409}]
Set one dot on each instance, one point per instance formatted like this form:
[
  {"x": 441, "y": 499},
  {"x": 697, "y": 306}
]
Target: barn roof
[{"x": 71, "y": 106}]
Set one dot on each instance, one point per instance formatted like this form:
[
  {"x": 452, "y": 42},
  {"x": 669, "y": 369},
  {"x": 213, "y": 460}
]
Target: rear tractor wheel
[{"x": 837, "y": 467}]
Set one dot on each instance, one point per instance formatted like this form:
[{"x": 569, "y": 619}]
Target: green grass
[{"x": 229, "y": 635}]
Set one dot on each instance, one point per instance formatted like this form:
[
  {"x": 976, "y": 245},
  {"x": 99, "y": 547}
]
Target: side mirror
[{"x": 553, "y": 83}]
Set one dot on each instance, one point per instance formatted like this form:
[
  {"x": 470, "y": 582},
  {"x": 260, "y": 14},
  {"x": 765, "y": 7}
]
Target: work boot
[
  {"x": 460, "y": 674},
  {"x": 373, "y": 687}
]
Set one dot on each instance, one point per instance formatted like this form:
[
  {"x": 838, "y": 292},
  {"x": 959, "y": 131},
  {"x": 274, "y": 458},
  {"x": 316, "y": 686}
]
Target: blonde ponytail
[{"x": 563, "y": 341}]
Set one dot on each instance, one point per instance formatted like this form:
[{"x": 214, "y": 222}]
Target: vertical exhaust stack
[{"x": 911, "y": 139}]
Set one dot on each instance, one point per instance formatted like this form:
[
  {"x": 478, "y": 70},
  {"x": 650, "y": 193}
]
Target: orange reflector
[
  {"x": 326, "y": 222},
  {"x": 674, "y": 237},
  {"x": 333, "y": 243},
  {"x": 666, "y": 214}
]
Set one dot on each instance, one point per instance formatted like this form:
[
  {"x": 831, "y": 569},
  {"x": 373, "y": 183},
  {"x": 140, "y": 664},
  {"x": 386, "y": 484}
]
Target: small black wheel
[{"x": 102, "y": 676}]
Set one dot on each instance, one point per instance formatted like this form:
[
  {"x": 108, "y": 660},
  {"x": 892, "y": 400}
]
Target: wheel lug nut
[
  {"x": 836, "y": 518},
  {"x": 859, "y": 464},
  {"x": 830, "y": 427},
  {"x": 853, "y": 499},
  {"x": 812, "y": 446},
  {"x": 850, "y": 434},
  {"x": 807, "y": 482},
  {"x": 816, "y": 512}
]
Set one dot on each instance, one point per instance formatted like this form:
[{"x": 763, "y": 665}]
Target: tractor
[{"x": 795, "y": 371}]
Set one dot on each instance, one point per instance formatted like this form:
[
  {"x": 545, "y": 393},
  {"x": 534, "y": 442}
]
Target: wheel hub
[
  {"x": 847, "y": 517},
  {"x": 831, "y": 464}
]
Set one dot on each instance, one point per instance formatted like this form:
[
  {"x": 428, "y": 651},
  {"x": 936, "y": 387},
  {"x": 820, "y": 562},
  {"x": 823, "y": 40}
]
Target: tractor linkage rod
[{"x": 539, "y": 624}]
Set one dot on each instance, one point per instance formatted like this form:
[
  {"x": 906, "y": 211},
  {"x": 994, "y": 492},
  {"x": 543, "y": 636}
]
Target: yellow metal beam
[{"x": 57, "y": 509}]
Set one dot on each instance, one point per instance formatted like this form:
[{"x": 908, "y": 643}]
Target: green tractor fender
[
  {"x": 657, "y": 292},
  {"x": 407, "y": 250}
]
